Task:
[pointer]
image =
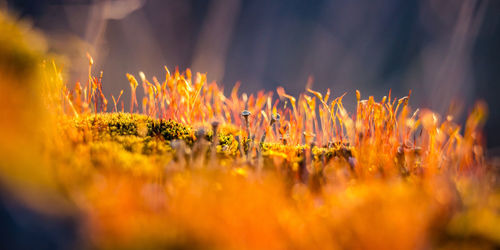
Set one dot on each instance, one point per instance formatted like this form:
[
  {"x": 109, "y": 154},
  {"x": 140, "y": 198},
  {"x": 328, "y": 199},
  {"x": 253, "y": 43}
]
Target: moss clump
[
  {"x": 340, "y": 150},
  {"x": 134, "y": 133},
  {"x": 171, "y": 130},
  {"x": 110, "y": 125},
  {"x": 145, "y": 135},
  {"x": 278, "y": 149}
]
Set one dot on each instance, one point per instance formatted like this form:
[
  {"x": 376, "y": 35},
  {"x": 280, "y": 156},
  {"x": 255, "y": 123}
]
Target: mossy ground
[{"x": 137, "y": 133}]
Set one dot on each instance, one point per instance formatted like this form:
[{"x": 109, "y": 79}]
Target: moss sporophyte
[
  {"x": 319, "y": 158},
  {"x": 296, "y": 171},
  {"x": 188, "y": 166}
]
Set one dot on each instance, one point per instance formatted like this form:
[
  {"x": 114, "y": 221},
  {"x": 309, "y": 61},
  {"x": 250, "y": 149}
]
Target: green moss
[
  {"x": 138, "y": 134},
  {"x": 171, "y": 130},
  {"x": 111, "y": 125},
  {"x": 144, "y": 135}
]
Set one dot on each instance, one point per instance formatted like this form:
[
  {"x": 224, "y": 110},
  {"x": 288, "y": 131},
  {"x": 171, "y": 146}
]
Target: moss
[
  {"x": 122, "y": 124},
  {"x": 171, "y": 130},
  {"x": 111, "y": 155},
  {"x": 340, "y": 150},
  {"x": 134, "y": 133},
  {"x": 142, "y": 134}
]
